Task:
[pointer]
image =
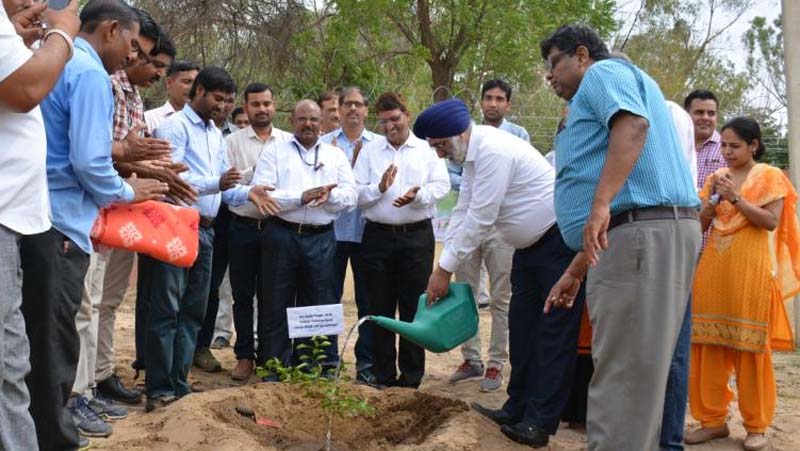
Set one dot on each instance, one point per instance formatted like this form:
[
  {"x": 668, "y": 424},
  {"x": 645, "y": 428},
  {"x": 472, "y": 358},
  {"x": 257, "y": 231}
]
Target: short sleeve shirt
[
  {"x": 24, "y": 206},
  {"x": 660, "y": 177}
]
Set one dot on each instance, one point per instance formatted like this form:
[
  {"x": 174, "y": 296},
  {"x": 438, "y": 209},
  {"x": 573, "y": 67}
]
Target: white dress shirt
[
  {"x": 292, "y": 169},
  {"x": 244, "y": 150},
  {"x": 507, "y": 184},
  {"x": 685, "y": 128},
  {"x": 417, "y": 165},
  {"x": 153, "y": 118}
]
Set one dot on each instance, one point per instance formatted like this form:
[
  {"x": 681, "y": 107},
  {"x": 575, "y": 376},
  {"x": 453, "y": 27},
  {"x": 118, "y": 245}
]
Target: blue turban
[{"x": 443, "y": 120}]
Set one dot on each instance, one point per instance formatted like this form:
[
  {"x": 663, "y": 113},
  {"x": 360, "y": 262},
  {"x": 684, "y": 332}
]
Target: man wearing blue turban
[{"x": 509, "y": 185}]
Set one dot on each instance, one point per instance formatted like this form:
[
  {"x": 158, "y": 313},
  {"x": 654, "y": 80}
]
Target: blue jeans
[
  {"x": 297, "y": 271},
  {"x": 348, "y": 250},
  {"x": 177, "y": 298},
  {"x": 219, "y": 264},
  {"x": 677, "y": 388}
]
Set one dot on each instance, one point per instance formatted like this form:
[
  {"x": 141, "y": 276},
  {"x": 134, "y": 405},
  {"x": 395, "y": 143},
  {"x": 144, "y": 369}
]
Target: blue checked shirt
[
  {"x": 660, "y": 177},
  {"x": 350, "y": 225}
]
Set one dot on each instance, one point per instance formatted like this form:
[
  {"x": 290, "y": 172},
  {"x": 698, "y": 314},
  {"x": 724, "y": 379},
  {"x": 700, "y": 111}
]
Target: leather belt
[
  {"x": 206, "y": 222},
  {"x": 257, "y": 223},
  {"x": 652, "y": 214},
  {"x": 303, "y": 229},
  {"x": 400, "y": 228}
]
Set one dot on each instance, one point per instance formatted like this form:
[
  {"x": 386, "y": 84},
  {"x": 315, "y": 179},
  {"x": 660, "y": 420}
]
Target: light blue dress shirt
[
  {"x": 514, "y": 129},
  {"x": 78, "y": 115},
  {"x": 201, "y": 147},
  {"x": 661, "y": 175},
  {"x": 350, "y": 225}
]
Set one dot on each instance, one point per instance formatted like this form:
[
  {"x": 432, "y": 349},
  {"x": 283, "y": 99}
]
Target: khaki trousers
[
  {"x": 86, "y": 322},
  {"x": 497, "y": 255},
  {"x": 637, "y": 296},
  {"x": 119, "y": 264}
]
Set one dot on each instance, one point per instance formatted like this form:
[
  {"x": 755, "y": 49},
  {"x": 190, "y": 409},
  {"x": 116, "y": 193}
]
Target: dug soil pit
[{"x": 291, "y": 421}]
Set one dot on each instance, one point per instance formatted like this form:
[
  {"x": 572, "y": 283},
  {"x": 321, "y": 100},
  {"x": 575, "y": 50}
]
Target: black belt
[
  {"x": 652, "y": 214},
  {"x": 206, "y": 222},
  {"x": 400, "y": 228},
  {"x": 303, "y": 229},
  {"x": 257, "y": 223}
]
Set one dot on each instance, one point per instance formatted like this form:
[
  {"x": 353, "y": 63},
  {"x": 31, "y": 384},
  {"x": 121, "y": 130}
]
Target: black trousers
[
  {"x": 542, "y": 348},
  {"x": 297, "y": 271},
  {"x": 53, "y": 271},
  {"x": 244, "y": 251},
  {"x": 396, "y": 268}
]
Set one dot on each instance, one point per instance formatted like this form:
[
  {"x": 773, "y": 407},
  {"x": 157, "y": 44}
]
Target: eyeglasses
[
  {"x": 353, "y": 104},
  {"x": 553, "y": 61}
]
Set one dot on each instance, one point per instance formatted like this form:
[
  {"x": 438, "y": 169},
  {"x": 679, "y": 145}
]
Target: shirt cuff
[
  {"x": 127, "y": 192},
  {"x": 448, "y": 260}
]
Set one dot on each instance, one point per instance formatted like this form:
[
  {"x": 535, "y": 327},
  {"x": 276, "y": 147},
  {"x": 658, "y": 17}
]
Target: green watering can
[{"x": 442, "y": 326}]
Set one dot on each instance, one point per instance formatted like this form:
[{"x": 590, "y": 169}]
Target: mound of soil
[{"x": 403, "y": 419}]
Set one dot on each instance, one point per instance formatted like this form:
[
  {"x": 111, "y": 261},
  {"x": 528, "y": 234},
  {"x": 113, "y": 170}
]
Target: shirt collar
[
  {"x": 714, "y": 138},
  {"x": 251, "y": 133},
  {"x": 411, "y": 141},
  {"x": 125, "y": 82},
  {"x": 474, "y": 137},
  {"x": 194, "y": 118},
  {"x": 297, "y": 143},
  {"x": 84, "y": 45},
  {"x": 365, "y": 135}
]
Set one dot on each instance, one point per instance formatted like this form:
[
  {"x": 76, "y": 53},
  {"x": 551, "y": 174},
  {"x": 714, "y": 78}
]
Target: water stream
[{"x": 361, "y": 321}]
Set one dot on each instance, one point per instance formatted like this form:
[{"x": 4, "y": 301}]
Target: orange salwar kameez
[{"x": 738, "y": 312}]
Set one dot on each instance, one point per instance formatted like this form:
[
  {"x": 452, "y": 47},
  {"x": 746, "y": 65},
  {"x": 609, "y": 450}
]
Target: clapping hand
[
  {"x": 259, "y": 195},
  {"x": 406, "y": 198},
  {"x": 387, "y": 180}
]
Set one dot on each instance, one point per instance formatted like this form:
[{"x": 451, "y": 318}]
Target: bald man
[{"x": 313, "y": 184}]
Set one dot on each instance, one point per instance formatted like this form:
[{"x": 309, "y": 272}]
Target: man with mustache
[
  {"x": 246, "y": 230},
  {"x": 177, "y": 297},
  {"x": 81, "y": 179},
  {"x": 313, "y": 185},
  {"x": 87, "y": 319},
  {"x": 351, "y": 137},
  {"x": 112, "y": 276},
  {"x": 329, "y": 105},
  {"x": 399, "y": 182}
]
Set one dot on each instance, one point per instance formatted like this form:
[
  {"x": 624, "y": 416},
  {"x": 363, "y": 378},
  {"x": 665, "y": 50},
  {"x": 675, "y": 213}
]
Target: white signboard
[{"x": 314, "y": 321}]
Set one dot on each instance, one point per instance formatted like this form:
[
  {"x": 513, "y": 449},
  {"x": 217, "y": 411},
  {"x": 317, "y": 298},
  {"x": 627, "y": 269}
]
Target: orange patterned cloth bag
[{"x": 165, "y": 232}]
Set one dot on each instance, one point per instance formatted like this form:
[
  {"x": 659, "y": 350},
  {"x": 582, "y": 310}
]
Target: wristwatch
[{"x": 736, "y": 199}]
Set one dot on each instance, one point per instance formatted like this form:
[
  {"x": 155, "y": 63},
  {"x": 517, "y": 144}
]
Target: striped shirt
[{"x": 660, "y": 177}]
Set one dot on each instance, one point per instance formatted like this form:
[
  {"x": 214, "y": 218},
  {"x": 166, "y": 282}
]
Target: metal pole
[{"x": 791, "y": 52}]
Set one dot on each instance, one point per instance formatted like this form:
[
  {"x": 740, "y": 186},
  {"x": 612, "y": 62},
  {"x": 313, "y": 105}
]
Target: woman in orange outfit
[{"x": 738, "y": 313}]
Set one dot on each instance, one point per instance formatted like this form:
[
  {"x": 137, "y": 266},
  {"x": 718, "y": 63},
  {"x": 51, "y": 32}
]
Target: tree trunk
[{"x": 442, "y": 79}]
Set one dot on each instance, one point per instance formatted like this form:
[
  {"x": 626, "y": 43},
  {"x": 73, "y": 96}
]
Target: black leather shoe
[
  {"x": 112, "y": 388},
  {"x": 498, "y": 416},
  {"x": 527, "y": 435}
]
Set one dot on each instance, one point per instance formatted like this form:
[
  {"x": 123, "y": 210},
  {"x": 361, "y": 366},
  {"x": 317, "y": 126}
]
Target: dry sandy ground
[{"x": 434, "y": 419}]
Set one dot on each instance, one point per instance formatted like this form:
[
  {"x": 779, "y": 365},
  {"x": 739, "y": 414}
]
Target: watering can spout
[
  {"x": 442, "y": 326},
  {"x": 401, "y": 328}
]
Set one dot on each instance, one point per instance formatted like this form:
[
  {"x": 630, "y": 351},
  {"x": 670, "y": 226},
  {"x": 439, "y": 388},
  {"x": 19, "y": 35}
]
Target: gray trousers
[
  {"x": 17, "y": 431},
  {"x": 637, "y": 296}
]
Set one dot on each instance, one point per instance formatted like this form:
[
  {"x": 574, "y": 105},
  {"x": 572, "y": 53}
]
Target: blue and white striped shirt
[{"x": 660, "y": 177}]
